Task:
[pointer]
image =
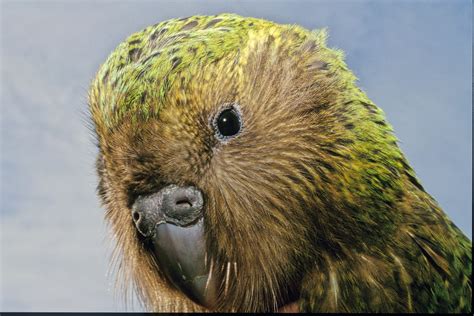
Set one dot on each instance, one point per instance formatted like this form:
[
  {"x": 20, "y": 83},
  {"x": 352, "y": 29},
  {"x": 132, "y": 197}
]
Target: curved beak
[
  {"x": 172, "y": 220},
  {"x": 181, "y": 254}
]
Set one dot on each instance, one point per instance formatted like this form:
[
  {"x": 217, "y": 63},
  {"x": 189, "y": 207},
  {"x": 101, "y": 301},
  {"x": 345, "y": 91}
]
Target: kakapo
[{"x": 242, "y": 169}]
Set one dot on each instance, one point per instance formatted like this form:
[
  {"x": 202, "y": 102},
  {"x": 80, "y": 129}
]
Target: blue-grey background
[{"x": 413, "y": 59}]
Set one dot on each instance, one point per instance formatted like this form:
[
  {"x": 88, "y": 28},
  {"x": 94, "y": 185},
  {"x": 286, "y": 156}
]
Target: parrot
[{"x": 242, "y": 169}]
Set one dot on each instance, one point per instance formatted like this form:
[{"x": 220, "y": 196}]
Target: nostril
[
  {"x": 136, "y": 216},
  {"x": 183, "y": 203}
]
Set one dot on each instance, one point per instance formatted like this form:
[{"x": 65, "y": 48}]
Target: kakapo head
[{"x": 235, "y": 156}]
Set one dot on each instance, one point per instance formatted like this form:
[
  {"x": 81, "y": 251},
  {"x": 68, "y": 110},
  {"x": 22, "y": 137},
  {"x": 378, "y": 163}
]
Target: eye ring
[{"x": 227, "y": 123}]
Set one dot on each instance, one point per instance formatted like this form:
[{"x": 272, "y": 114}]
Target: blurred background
[{"x": 413, "y": 58}]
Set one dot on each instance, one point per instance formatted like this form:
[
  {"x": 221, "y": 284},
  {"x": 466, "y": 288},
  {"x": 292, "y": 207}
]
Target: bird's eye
[{"x": 228, "y": 123}]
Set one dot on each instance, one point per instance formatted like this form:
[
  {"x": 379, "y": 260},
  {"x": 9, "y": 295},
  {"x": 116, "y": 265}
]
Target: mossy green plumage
[{"x": 381, "y": 244}]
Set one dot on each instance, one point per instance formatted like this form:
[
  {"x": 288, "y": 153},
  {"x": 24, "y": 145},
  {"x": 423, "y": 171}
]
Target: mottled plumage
[{"x": 312, "y": 202}]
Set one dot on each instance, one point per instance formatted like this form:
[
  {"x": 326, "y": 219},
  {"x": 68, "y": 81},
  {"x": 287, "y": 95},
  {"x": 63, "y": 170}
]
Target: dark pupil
[{"x": 228, "y": 123}]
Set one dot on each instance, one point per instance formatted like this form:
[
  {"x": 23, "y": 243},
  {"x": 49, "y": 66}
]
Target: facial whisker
[
  {"x": 209, "y": 277},
  {"x": 227, "y": 275},
  {"x": 235, "y": 269}
]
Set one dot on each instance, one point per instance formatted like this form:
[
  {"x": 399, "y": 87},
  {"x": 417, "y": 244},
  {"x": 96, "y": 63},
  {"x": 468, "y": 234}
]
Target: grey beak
[{"x": 172, "y": 220}]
